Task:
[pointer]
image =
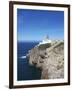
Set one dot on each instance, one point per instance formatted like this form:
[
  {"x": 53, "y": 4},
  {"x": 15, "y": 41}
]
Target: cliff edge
[{"x": 49, "y": 58}]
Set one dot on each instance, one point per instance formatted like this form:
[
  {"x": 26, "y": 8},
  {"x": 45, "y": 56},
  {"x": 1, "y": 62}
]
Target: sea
[{"x": 25, "y": 71}]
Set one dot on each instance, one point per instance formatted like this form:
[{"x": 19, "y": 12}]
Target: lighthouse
[{"x": 46, "y": 40}]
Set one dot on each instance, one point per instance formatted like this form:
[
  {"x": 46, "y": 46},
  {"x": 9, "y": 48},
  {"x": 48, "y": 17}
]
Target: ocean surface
[{"x": 24, "y": 70}]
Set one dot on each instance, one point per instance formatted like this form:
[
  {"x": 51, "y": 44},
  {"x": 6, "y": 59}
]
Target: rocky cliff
[{"x": 48, "y": 58}]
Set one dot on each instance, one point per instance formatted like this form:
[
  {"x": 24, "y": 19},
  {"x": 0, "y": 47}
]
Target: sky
[{"x": 33, "y": 25}]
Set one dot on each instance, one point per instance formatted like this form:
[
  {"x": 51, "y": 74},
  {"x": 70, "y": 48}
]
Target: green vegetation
[{"x": 44, "y": 46}]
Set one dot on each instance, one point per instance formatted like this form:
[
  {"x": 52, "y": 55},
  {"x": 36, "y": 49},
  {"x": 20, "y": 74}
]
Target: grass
[{"x": 44, "y": 46}]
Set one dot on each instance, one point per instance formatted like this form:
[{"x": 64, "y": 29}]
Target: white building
[{"x": 45, "y": 41}]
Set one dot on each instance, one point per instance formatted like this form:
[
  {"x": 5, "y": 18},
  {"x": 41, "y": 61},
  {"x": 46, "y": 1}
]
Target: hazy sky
[{"x": 35, "y": 24}]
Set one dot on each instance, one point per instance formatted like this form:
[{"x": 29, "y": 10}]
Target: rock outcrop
[{"x": 49, "y": 59}]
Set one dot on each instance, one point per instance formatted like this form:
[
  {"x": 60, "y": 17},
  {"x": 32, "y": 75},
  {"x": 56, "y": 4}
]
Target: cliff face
[{"x": 49, "y": 59}]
